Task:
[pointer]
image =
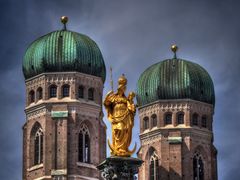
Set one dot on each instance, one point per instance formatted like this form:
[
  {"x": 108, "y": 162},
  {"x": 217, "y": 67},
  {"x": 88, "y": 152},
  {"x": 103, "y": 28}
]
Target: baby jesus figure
[{"x": 130, "y": 103}]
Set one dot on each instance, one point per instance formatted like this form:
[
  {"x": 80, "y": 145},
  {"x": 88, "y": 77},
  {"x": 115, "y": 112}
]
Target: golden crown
[{"x": 122, "y": 80}]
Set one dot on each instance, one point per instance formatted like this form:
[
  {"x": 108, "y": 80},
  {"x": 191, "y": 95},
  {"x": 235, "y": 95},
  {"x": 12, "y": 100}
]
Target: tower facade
[
  {"x": 64, "y": 136},
  {"x": 176, "y": 99}
]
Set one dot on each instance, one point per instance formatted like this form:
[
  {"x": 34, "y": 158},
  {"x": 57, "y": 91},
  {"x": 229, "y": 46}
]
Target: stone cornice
[
  {"x": 90, "y": 110},
  {"x": 64, "y": 77},
  {"x": 176, "y": 105},
  {"x": 150, "y": 137},
  {"x": 175, "y": 101},
  {"x": 147, "y": 137},
  {"x": 86, "y": 165},
  {"x": 67, "y": 101},
  {"x": 62, "y": 73}
]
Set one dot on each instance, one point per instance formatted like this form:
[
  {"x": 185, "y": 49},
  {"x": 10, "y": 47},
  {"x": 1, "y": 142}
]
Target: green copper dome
[
  {"x": 175, "y": 79},
  {"x": 63, "y": 51}
]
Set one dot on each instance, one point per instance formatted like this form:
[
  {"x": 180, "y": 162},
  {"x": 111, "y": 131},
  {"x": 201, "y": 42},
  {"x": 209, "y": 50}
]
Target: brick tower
[
  {"x": 176, "y": 106},
  {"x": 64, "y": 136}
]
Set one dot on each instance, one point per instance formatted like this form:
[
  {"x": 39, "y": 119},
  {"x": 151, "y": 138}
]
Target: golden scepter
[{"x": 111, "y": 78}]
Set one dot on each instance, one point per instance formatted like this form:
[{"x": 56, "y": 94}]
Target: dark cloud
[{"x": 132, "y": 35}]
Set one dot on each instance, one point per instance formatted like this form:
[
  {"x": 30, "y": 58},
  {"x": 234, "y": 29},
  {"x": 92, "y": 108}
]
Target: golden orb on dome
[
  {"x": 174, "y": 48},
  {"x": 64, "y": 19}
]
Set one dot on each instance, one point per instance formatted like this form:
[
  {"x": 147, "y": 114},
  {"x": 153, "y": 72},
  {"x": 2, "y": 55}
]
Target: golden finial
[
  {"x": 174, "y": 49},
  {"x": 64, "y": 20}
]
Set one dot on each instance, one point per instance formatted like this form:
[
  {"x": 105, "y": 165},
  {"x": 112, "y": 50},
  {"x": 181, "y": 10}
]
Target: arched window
[
  {"x": 39, "y": 93},
  {"x": 180, "y": 118},
  {"x": 195, "y": 119},
  {"x": 31, "y": 96},
  {"x": 204, "y": 121},
  {"x": 84, "y": 145},
  {"x": 65, "y": 90},
  {"x": 145, "y": 123},
  {"x": 91, "y": 94},
  {"x": 198, "y": 167},
  {"x": 154, "y": 167},
  {"x": 154, "y": 120},
  {"x": 37, "y": 140},
  {"x": 53, "y": 91},
  {"x": 168, "y": 118},
  {"x": 80, "y": 92}
]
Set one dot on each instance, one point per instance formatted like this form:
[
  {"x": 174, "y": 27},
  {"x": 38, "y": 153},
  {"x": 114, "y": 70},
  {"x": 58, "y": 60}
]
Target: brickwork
[
  {"x": 176, "y": 144},
  {"x": 60, "y": 134}
]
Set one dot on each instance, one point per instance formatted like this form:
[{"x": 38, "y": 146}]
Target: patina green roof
[
  {"x": 175, "y": 79},
  {"x": 62, "y": 51}
]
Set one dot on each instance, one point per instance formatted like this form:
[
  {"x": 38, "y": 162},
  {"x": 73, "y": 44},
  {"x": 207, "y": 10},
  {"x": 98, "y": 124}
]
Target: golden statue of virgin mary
[{"x": 121, "y": 111}]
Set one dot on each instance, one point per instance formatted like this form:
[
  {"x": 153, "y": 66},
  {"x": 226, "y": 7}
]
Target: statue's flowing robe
[{"x": 120, "y": 114}]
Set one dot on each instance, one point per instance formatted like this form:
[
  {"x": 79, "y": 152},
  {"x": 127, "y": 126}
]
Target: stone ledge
[
  {"x": 86, "y": 165},
  {"x": 57, "y": 172},
  {"x": 38, "y": 166},
  {"x": 43, "y": 177}
]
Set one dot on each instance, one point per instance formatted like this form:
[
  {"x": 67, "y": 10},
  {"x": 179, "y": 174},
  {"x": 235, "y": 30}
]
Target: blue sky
[{"x": 132, "y": 35}]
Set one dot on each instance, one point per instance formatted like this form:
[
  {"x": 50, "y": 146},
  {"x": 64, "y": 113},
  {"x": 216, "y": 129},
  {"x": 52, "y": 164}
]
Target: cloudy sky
[{"x": 132, "y": 35}]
